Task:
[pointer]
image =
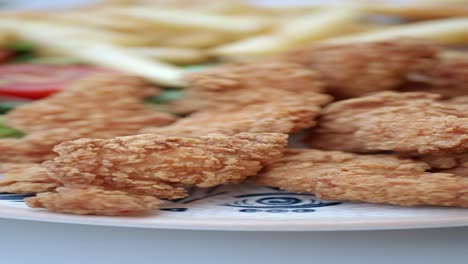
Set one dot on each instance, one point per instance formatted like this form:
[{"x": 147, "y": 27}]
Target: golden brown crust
[
  {"x": 455, "y": 164},
  {"x": 447, "y": 77},
  {"x": 26, "y": 178},
  {"x": 93, "y": 201},
  {"x": 101, "y": 106},
  {"x": 160, "y": 166},
  {"x": 389, "y": 121},
  {"x": 287, "y": 115},
  {"x": 344, "y": 176},
  {"x": 246, "y": 83},
  {"x": 353, "y": 70}
]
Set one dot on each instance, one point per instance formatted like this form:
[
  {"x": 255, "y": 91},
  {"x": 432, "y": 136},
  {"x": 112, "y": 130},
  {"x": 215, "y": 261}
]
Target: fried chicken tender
[
  {"x": 26, "y": 178},
  {"x": 455, "y": 164},
  {"x": 335, "y": 175},
  {"x": 288, "y": 115},
  {"x": 447, "y": 77},
  {"x": 353, "y": 70},
  {"x": 246, "y": 83},
  {"x": 412, "y": 123},
  {"x": 161, "y": 166},
  {"x": 101, "y": 102},
  {"x": 93, "y": 201},
  {"x": 103, "y": 106}
]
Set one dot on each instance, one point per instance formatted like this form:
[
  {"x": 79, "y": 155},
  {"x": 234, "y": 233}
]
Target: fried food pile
[{"x": 382, "y": 122}]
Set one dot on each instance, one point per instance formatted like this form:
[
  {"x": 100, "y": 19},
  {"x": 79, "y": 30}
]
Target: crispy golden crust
[
  {"x": 26, "y": 178},
  {"x": 352, "y": 70},
  {"x": 335, "y": 175},
  {"x": 161, "y": 166},
  {"x": 455, "y": 164},
  {"x": 101, "y": 106},
  {"x": 288, "y": 115},
  {"x": 100, "y": 101},
  {"x": 447, "y": 77},
  {"x": 93, "y": 201},
  {"x": 389, "y": 121},
  {"x": 246, "y": 83}
]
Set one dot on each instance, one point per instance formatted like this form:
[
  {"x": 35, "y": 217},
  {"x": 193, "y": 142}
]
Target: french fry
[
  {"x": 196, "y": 39},
  {"x": 102, "y": 54},
  {"x": 71, "y": 32},
  {"x": 304, "y": 29},
  {"x": 420, "y": 9},
  {"x": 172, "y": 55},
  {"x": 5, "y": 37},
  {"x": 447, "y": 31},
  {"x": 117, "y": 58},
  {"x": 100, "y": 20},
  {"x": 185, "y": 19}
]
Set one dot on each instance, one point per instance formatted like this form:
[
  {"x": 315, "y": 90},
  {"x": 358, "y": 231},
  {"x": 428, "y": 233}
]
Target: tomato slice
[
  {"x": 36, "y": 81},
  {"x": 5, "y": 55}
]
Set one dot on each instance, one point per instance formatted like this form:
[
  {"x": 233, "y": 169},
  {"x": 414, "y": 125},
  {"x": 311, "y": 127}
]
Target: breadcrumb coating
[
  {"x": 353, "y": 70},
  {"x": 245, "y": 83},
  {"x": 102, "y": 101},
  {"x": 26, "y": 178},
  {"x": 93, "y": 201},
  {"x": 335, "y": 175},
  {"x": 288, "y": 115},
  {"x": 447, "y": 77},
  {"x": 455, "y": 164},
  {"x": 102, "y": 106},
  {"x": 161, "y": 166},
  {"x": 389, "y": 121}
]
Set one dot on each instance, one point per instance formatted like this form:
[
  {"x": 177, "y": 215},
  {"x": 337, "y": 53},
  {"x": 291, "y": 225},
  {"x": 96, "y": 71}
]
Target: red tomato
[
  {"x": 36, "y": 81},
  {"x": 5, "y": 55}
]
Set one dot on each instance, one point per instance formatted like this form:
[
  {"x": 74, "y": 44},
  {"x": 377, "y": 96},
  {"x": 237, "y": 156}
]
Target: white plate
[{"x": 251, "y": 208}]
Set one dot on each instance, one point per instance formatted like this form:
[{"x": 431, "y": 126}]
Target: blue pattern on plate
[{"x": 277, "y": 202}]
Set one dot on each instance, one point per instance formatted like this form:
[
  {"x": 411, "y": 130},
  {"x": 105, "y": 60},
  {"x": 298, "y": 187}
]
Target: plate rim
[{"x": 226, "y": 224}]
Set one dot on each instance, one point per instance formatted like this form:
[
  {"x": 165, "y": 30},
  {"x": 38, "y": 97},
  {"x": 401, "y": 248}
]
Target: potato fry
[
  {"x": 97, "y": 53},
  {"x": 117, "y": 58},
  {"x": 302, "y": 30},
  {"x": 172, "y": 55},
  {"x": 447, "y": 31},
  {"x": 100, "y": 20},
  {"x": 195, "y": 39},
  {"x": 72, "y": 32},
  {"x": 5, "y": 37},
  {"x": 186, "y": 19},
  {"x": 419, "y": 9}
]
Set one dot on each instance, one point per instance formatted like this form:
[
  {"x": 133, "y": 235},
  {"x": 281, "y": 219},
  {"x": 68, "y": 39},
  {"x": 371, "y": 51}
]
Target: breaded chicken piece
[
  {"x": 412, "y": 123},
  {"x": 353, "y": 70},
  {"x": 93, "y": 201},
  {"x": 335, "y": 175},
  {"x": 103, "y": 106},
  {"x": 288, "y": 115},
  {"x": 26, "y": 178},
  {"x": 245, "y": 83},
  {"x": 447, "y": 77},
  {"x": 455, "y": 164},
  {"x": 161, "y": 166},
  {"x": 102, "y": 101}
]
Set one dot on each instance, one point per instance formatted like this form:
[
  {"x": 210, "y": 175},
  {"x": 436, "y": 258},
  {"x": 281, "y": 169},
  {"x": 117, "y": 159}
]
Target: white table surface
[{"x": 36, "y": 242}]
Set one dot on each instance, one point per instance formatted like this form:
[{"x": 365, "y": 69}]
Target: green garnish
[
  {"x": 6, "y": 131},
  {"x": 24, "y": 51},
  {"x": 21, "y": 47},
  {"x": 7, "y": 106},
  {"x": 199, "y": 67},
  {"x": 56, "y": 60},
  {"x": 166, "y": 96}
]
